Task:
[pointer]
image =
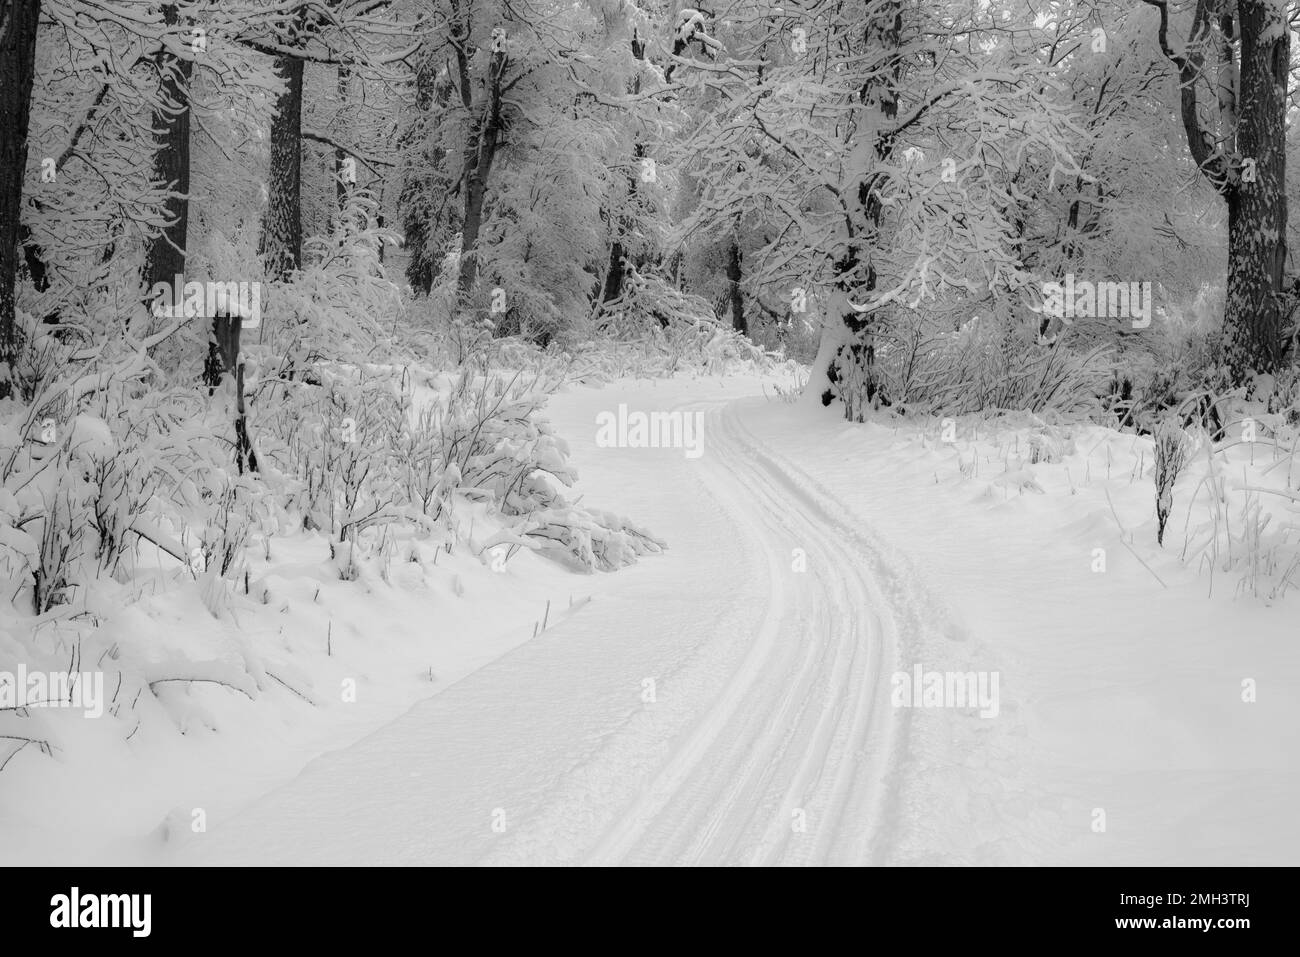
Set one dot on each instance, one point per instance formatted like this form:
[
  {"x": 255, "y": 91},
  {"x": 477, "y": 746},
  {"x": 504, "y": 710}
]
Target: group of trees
[
  {"x": 125, "y": 122},
  {"x": 908, "y": 155},
  {"x": 551, "y": 165}
]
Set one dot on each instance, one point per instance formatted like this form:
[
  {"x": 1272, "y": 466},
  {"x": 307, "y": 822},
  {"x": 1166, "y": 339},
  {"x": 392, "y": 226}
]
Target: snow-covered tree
[
  {"x": 1232, "y": 73},
  {"x": 901, "y": 128}
]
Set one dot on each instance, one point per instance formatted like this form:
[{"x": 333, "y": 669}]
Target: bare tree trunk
[
  {"x": 164, "y": 254},
  {"x": 17, "y": 66},
  {"x": 1257, "y": 211},
  {"x": 281, "y": 242},
  {"x": 614, "y": 272},
  {"x": 734, "y": 294},
  {"x": 224, "y": 357},
  {"x": 1244, "y": 159},
  {"x": 613, "y": 285},
  {"x": 419, "y": 217},
  {"x": 852, "y": 372},
  {"x": 340, "y": 156},
  {"x": 484, "y": 138}
]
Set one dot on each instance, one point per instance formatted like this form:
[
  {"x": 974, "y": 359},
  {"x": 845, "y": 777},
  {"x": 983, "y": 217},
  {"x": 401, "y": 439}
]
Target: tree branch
[
  {"x": 1200, "y": 142},
  {"x": 372, "y": 162}
]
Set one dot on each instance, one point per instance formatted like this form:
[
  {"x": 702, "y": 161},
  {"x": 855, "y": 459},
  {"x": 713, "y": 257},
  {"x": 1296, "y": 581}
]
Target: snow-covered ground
[{"x": 731, "y": 700}]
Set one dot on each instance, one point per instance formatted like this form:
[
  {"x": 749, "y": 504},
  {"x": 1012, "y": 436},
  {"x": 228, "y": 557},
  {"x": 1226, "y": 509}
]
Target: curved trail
[
  {"x": 792, "y": 763},
  {"x": 772, "y": 739}
]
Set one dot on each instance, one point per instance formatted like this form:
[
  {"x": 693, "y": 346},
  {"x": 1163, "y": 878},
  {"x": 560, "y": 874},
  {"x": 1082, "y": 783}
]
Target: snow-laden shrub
[
  {"x": 1170, "y": 448},
  {"x": 366, "y": 452},
  {"x": 701, "y": 347},
  {"x": 102, "y": 455},
  {"x": 229, "y": 522},
  {"x": 336, "y": 307},
  {"x": 499, "y": 448},
  {"x": 124, "y": 485},
  {"x": 647, "y": 301},
  {"x": 1244, "y": 528},
  {"x": 442, "y": 335},
  {"x": 990, "y": 362},
  {"x": 590, "y": 539},
  {"x": 60, "y": 533},
  {"x": 339, "y": 436},
  {"x": 1176, "y": 369},
  {"x": 1243, "y": 515},
  {"x": 500, "y": 445},
  {"x": 1050, "y": 444}
]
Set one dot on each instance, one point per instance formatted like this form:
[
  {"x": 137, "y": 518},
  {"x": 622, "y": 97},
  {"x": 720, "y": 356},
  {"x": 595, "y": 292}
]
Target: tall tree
[
  {"x": 879, "y": 142},
  {"x": 423, "y": 196},
  {"x": 342, "y": 178},
  {"x": 346, "y": 34},
  {"x": 1232, "y": 77},
  {"x": 735, "y": 295},
  {"x": 484, "y": 134},
  {"x": 281, "y": 242},
  {"x": 164, "y": 256},
  {"x": 621, "y": 222},
  {"x": 853, "y": 370},
  {"x": 18, "y": 21}
]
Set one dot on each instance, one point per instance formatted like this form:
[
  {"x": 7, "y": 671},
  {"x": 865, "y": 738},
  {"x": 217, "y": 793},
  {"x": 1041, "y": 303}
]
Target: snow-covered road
[
  {"x": 720, "y": 704},
  {"x": 791, "y": 762},
  {"x": 729, "y": 701}
]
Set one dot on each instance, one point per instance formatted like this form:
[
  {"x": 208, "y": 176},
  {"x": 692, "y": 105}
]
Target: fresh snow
[{"x": 712, "y": 704}]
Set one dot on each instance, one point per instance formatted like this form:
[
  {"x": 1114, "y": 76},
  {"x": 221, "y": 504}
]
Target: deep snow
[{"x": 714, "y": 704}]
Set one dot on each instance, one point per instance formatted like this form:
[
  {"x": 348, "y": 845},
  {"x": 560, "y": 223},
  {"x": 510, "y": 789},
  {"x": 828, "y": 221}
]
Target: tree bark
[
  {"x": 1257, "y": 211},
  {"x": 341, "y": 186},
  {"x": 481, "y": 149},
  {"x": 852, "y": 372},
  {"x": 17, "y": 68},
  {"x": 164, "y": 254},
  {"x": 615, "y": 271},
  {"x": 224, "y": 357},
  {"x": 734, "y": 294},
  {"x": 281, "y": 241},
  {"x": 1245, "y": 161},
  {"x": 419, "y": 217}
]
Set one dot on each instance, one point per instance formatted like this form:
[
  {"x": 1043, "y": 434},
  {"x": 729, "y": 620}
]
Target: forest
[{"x": 310, "y": 310}]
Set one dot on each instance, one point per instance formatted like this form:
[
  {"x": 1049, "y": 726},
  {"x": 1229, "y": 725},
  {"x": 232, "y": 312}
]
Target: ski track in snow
[
  {"x": 790, "y": 764},
  {"x": 775, "y": 744}
]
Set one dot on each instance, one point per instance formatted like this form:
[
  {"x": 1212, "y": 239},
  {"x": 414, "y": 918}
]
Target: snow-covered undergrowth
[
  {"x": 1214, "y": 468},
  {"x": 1232, "y": 504},
  {"x": 615, "y": 347},
  {"x": 411, "y": 515},
  {"x": 390, "y": 501},
  {"x": 987, "y": 364}
]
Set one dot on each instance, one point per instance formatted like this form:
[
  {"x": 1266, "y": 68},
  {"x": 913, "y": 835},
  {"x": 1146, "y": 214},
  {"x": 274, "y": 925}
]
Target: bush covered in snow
[
  {"x": 119, "y": 476},
  {"x": 988, "y": 362}
]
